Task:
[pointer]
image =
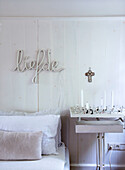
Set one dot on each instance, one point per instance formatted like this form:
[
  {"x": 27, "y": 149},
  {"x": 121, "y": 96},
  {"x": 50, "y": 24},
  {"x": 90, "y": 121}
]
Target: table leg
[
  {"x": 100, "y": 154},
  {"x": 97, "y": 151},
  {"x": 79, "y": 119},
  {"x": 100, "y": 151},
  {"x": 103, "y": 150}
]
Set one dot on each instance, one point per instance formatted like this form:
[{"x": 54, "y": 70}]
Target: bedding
[
  {"x": 51, "y": 137},
  {"x": 67, "y": 162},
  {"x": 50, "y": 162},
  {"x": 49, "y": 146},
  {"x": 40, "y": 113},
  {"x": 50, "y": 125},
  {"x": 23, "y": 113},
  {"x": 20, "y": 145}
]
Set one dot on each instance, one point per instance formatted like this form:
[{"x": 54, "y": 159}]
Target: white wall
[
  {"x": 77, "y": 43},
  {"x": 62, "y": 7}
]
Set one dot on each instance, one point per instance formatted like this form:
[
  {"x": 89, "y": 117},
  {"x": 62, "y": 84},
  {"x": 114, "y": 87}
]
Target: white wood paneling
[
  {"x": 77, "y": 43},
  {"x": 46, "y": 81},
  {"x": 99, "y": 49},
  {"x": 16, "y": 90},
  {"x": 71, "y": 63}
]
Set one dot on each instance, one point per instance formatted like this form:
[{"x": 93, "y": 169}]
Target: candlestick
[
  {"x": 87, "y": 105},
  {"x": 104, "y": 99},
  {"x": 82, "y": 98},
  {"x": 101, "y": 102},
  {"x": 112, "y": 98}
]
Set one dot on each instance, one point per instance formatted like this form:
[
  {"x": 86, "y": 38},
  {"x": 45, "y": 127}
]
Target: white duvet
[{"x": 51, "y": 162}]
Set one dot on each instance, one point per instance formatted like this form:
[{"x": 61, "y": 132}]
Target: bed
[
  {"x": 58, "y": 161},
  {"x": 51, "y": 162}
]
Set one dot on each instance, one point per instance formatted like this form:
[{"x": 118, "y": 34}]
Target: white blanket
[{"x": 51, "y": 162}]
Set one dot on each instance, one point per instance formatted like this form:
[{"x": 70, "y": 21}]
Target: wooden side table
[{"x": 100, "y": 128}]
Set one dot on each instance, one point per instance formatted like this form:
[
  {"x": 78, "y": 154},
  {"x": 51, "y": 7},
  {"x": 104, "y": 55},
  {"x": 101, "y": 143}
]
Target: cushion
[
  {"x": 48, "y": 124},
  {"x": 49, "y": 146},
  {"x": 20, "y": 145}
]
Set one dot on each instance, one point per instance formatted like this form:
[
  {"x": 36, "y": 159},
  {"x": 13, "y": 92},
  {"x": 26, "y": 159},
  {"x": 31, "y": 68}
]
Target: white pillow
[
  {"x": 49, "y": 146},
  {"x": 48, "y": 124},
  {"x": 42, "y": 112},
  {"x": 59, "y": 134}
]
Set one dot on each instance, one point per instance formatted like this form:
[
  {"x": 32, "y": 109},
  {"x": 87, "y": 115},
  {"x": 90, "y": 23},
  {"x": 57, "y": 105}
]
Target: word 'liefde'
[{"x": 42, "y": 63}]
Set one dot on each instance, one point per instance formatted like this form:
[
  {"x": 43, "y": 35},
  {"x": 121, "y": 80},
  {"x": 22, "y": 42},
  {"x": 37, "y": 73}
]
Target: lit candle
[
  {"x": 87, "y": 105},
  {"x": 112, "y": 98},
  {"x": 82, "y": 98},
  {"x": 104, "y": 99}
]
